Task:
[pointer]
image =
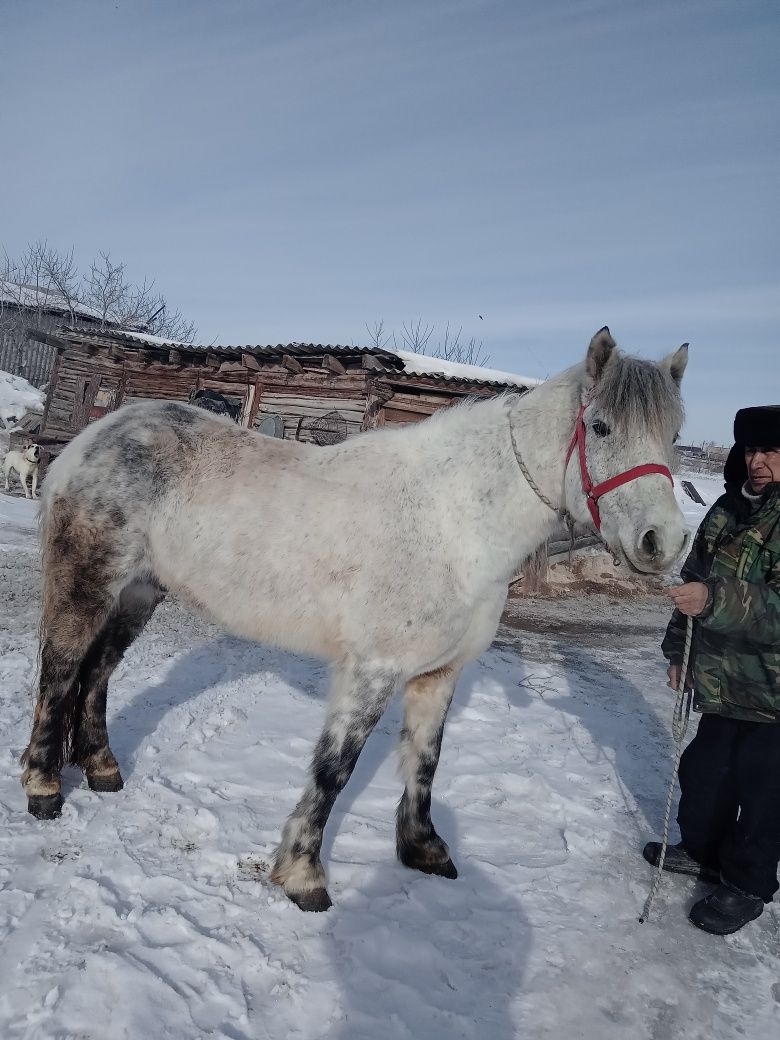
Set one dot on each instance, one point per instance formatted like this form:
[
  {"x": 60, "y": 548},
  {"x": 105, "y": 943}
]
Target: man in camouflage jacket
[{"x": 729, "y": 813}]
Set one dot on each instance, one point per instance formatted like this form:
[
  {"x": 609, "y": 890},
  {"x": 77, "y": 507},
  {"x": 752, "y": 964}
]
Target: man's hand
[
  {"x": 691, "y": 598},
  {"x": 673, "y": 671}
]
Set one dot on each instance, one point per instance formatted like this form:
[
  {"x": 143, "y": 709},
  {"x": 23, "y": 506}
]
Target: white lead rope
[{"x": 682, "y": 713}]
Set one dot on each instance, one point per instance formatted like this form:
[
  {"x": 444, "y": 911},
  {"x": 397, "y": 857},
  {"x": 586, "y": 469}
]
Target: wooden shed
[
  {"x": 302, "y": 391},
  {"x": 23, "y": 307}
]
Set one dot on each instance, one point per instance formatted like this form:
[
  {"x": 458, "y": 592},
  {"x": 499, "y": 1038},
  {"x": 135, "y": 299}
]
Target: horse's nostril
[{"x": 649, "y": 543}]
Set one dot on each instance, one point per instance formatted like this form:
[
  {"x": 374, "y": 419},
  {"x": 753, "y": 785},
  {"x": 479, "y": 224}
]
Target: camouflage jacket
[{"x": 736, "y": 642}]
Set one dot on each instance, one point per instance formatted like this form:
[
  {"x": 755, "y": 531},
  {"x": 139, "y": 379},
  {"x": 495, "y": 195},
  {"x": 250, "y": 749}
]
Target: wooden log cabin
[{"x": 302, "y": 391}]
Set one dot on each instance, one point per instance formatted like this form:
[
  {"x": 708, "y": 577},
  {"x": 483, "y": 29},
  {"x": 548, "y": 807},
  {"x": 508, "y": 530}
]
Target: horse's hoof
[
  {"x": 106, "y": 782},
  {"x": 447, "y": 869},
  {"x": 442, "y": 869},
  {"x": 315, "y": 901},
  {"x": 45, "y": 806}
]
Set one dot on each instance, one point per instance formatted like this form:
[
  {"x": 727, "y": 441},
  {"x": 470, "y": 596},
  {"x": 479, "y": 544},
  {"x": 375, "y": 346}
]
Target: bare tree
[
  {"x": 62, "y": 274},
  {"x": 416, "y": 336},
  {"x": 172, "y": 325},
  {"x": 32, "y": 286},
  {"x": 43, "y": 280},
  {"x": 119, "y": 302},
  {"x": 40, "y": 280},
  {"x": 453, "y": 348},
  {"x": 105, "y": 290},
  {"x": 377, "y": 336}
]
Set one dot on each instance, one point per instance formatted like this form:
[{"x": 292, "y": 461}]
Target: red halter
[{"x": 594, "y": 493}]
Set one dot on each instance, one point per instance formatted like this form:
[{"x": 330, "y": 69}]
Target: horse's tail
[
  {"x": 63, "y": 631},
  {"x": 43, "y": 542}
]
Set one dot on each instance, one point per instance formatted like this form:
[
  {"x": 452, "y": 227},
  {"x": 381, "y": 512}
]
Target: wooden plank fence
[{"x": 29, "y": 359}]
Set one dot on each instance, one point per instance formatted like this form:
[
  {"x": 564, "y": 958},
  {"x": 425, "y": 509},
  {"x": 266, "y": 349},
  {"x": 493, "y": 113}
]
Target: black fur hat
[
  {"x": 735, "y": 471},
  {"x": 758, "y": 427}
]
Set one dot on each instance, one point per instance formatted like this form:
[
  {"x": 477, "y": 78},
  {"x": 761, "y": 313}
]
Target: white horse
[{"x": 388, "y": 554}]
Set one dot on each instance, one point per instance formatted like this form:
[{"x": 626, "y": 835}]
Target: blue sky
[{"x": 291, "y": 171}]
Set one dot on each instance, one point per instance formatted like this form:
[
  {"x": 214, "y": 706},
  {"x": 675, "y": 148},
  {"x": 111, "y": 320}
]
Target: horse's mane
[
  {"x": 638, "y": 395},
  {"x": 633, "y": 395}
]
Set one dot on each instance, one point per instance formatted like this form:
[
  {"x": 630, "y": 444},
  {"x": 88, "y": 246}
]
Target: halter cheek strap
[{"x": 593, "y": 492}]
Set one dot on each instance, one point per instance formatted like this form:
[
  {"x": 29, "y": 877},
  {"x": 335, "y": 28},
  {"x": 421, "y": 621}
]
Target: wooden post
[
  {"x": 378, "y": 394},
  {"x": 50, "y": 392},
  {"x": 536, "y": 571}
]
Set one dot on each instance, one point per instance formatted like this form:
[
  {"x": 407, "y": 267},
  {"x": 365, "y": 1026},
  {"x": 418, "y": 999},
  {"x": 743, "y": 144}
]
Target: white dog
[{"x": 25, "y": 463}]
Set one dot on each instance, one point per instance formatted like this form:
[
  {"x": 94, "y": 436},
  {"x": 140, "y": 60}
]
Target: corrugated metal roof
[
  {"x": 439, "y": 377},
  {"x": 395, "y": 365},
  {"x": 141, "y": 341}
]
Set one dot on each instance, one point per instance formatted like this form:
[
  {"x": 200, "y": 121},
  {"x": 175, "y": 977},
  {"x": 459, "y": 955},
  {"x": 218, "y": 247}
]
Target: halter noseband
[{"x": 594, "y": 492}]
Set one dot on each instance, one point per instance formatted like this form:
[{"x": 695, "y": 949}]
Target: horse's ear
[
  {"x": 601, "y": 349},
  {"x": 675, "y": 363}
]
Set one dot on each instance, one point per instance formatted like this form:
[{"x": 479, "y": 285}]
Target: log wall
[
  {"x": 89, "y": 381},
  {"x": 91, "y": 378},
  {"x": 412, "y": 401},
  {"x": 300, "y": 398}
]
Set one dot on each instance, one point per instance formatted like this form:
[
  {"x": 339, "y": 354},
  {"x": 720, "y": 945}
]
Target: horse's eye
[
  {"x": 676, "y": 438},
  {"x": 600, "y": 428}
]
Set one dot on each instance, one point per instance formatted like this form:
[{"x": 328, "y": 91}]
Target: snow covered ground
[
  {"x": 16, "y": 396},
  {"x": 147, "y": 915}
]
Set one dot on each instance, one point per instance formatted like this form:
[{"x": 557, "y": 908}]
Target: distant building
[
  {"x": 690, "y": 451},
  {"x": 299, "y": 391},
  {"x": 30, "y": 306},
  {"x": 705, "y": 458}
]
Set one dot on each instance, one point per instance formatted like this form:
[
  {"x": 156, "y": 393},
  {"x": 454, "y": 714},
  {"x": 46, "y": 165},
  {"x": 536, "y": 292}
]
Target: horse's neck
[
  {"x": 494, "y": 500},
  {"x": 543, "y": 423}
]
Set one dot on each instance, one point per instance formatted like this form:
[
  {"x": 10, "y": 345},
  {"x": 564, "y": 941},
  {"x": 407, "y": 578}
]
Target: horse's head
[{"x": 630, "y": 417}]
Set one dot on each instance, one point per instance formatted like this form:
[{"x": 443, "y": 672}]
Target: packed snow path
[{"x": 146, "y": 915}]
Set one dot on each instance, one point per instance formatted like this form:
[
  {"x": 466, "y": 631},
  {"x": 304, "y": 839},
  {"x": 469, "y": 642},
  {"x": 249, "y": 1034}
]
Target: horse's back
[
  {"x": 144, "y": 453},
  {"x": 314, "y": 548}
]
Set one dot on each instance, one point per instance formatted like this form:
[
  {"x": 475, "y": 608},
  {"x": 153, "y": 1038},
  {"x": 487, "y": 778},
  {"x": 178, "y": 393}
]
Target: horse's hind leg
[
  {"x": 79, "y": 576},
  {"x": 359, "y": 697},
  {"x": 426, "y": 702},
  {"x": 91, "y": 750},
  {"x": 67, "y": 639}
]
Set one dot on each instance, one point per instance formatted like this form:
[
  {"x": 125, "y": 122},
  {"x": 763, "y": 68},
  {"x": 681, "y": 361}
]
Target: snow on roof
[
  {"x": 153, "y": 341},
  {"x": 413, "y": 364},
  {"x": 37, "y": 297},
  {"x": 422, "y": 365},
  {"x": 131, "y": 337},
  {"x": 17, "y": 396}
]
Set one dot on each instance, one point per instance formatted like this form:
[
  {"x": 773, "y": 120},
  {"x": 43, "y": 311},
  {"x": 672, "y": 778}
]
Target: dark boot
[
  {"x": 725, "y": 910},
  {"x": 678, "y": 861}
]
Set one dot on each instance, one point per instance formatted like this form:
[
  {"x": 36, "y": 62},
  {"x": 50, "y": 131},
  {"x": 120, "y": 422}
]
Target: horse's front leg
[
  {"x": 426, "y": 703},
  {"x": 359, "y": 696}
]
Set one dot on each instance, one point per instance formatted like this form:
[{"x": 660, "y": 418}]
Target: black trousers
[{"x": 729, "y": 813}]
